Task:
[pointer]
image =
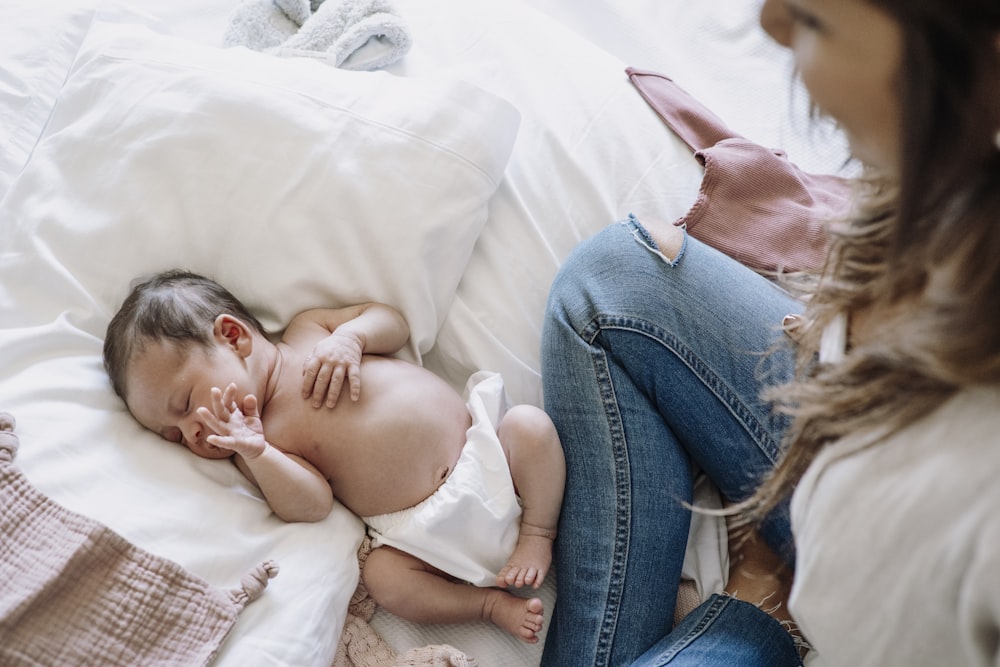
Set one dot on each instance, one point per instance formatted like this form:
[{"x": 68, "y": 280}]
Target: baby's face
[{"x": 167, "y": 383}]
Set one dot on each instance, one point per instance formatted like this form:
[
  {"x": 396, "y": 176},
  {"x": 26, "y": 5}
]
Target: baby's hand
[
  {"x": 234, "y": 430},
  {"x": 334, "y": 359}
]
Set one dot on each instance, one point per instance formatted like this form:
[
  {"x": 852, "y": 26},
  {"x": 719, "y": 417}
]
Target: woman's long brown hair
[{"x": 921, "y": 254}]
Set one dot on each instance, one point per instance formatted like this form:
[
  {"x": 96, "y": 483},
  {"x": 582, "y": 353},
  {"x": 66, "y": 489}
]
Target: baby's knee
[{"x": 528, "y": 427}]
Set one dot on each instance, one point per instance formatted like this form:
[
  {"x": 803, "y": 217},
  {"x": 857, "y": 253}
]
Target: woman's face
[{"x": 848, "y": 54}]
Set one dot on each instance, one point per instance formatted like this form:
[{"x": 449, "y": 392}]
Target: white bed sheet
[
  {"x": 76, "y": 446},
  {"x": 588, "y": 152}
]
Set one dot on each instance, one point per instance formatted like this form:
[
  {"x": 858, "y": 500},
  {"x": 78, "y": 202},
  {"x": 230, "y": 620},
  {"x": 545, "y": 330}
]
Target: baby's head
[{"x": 174, "y": 306}]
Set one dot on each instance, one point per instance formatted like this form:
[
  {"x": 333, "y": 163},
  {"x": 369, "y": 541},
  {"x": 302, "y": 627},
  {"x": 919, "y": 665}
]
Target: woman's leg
[
  {"x": 724, "y": 631},
  {"x": 650, "y": 367}
]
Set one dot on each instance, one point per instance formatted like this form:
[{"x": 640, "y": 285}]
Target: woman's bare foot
[
  {"x": 758, "y": 575},
  {"x": 520, "y": 617},
  {"x": 531, "y": 559}
]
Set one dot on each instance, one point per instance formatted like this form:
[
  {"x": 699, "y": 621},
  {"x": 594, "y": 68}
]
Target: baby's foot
[
  {"x": 531, "y": 559},
  {"x": 520, "y": 617}
]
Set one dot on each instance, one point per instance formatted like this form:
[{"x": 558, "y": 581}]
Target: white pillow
[
  {"x": 294, "y": 184},
  {"x": 34, "y": 58}
]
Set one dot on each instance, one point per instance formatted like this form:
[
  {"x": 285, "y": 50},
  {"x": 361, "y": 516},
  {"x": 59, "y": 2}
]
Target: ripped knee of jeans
[{"x": 644, "y": 238}]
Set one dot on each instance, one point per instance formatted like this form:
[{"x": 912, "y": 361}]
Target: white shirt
[{"x": 899, "y": 543}]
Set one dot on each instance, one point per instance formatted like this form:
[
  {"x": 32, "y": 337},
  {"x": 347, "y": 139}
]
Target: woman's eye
[{"x": 805, "y": 19}]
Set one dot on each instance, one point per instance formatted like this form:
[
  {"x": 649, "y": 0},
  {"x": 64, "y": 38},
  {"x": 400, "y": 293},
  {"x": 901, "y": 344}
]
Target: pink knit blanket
[{"x": 73, "y": 592}]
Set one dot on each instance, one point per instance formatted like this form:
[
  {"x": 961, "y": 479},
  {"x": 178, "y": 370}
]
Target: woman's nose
[{"x": 775, "y": 21}]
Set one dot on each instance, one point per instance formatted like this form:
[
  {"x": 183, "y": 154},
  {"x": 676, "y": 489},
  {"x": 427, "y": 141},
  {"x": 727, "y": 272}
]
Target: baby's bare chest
[{"x": 386, "y": 451}]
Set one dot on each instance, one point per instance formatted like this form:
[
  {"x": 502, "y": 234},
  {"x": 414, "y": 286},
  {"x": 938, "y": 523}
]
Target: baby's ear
[{"x": 231, "y": 331}]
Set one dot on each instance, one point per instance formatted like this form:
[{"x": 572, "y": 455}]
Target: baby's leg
[
  {"x": 411, "y": 589},
  {"x": 538, "y": 469}
]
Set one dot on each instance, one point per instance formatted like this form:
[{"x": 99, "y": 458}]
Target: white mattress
[{"x": 580, "y": 151}]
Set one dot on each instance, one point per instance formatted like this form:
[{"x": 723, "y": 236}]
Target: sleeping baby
[{"x": 453, "y": 491}]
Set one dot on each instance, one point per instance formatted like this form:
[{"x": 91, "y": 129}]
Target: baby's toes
[{"x": 503, "y": 577}]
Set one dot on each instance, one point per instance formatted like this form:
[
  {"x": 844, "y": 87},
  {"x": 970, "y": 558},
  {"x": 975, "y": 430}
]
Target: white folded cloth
[{"x": 351, "y": 34}]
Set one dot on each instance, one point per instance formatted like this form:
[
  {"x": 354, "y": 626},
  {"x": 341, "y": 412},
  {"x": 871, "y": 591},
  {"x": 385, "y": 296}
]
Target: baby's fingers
[
  {"x": 309, "y": 371},
  {"x": 354, "y": 380},
  {"x": 211, "y": 420},
  {"x": 250, "y": 408},
  {"x": 218, "y": 403},
  {"x": 229, "y": 398},
  {"x": 224, "y": 402},
  {"x": 333, "y": 390},
  {"x": 326, "y": 381},
  {"x": 226, "y": 442}
]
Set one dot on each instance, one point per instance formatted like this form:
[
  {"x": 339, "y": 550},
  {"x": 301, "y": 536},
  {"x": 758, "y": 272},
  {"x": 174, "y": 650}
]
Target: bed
[{"x": 450, "y": 181}]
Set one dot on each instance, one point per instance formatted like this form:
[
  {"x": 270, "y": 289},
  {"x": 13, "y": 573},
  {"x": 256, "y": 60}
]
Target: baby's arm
[
  {"x": 295, "y": 490},
  {"x": 368, "y": 328}
]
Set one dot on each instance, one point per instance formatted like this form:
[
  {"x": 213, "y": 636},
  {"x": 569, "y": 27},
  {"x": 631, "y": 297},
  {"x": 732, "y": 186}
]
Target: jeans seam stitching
[
  {"x": 720, "y": 603},
  {"x": 761, "y": 436},
  {"x": 622, "y": 517}
]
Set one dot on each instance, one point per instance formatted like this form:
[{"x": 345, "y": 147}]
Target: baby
[{"x": 452, "y": 492}]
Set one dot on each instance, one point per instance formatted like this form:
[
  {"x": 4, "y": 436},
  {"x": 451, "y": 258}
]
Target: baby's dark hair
[{"x": 174, "y": 305}]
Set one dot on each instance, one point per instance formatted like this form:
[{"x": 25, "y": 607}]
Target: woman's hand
[
  {"x": 335, "y": 359},
  {"x": 235, "y": 430}
]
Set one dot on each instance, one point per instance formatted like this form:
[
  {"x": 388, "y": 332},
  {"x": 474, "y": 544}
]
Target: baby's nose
[{"x": 192, "y": 431}]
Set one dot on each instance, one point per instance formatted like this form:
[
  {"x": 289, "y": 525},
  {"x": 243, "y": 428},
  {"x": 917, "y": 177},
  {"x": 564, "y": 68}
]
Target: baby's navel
[{"x": 442, "y": 474}]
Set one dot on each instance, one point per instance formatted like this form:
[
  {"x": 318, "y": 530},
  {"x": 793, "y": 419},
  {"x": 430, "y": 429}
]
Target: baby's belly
[
  {"x": 393, "y": 478},
  {"x": 412, "y": 447},
  {"x": 412, "y": 436}
]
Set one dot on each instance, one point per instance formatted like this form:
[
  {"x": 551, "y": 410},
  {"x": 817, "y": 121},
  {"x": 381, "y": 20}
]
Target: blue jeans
[{"x": 652, "y": 369}]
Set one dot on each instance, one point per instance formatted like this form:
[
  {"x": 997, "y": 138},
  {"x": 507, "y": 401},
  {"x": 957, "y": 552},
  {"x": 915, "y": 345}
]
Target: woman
[{"x": 889, "y": 432}]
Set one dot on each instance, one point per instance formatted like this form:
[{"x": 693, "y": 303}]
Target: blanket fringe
[
  {"x": 253, "y": 583},
  {"x": 8, "y": 440},
  {"x": 361, "y": 646}
]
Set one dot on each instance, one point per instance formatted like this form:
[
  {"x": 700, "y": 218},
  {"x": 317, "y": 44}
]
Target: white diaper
[{"x": 469, "y": 526}]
